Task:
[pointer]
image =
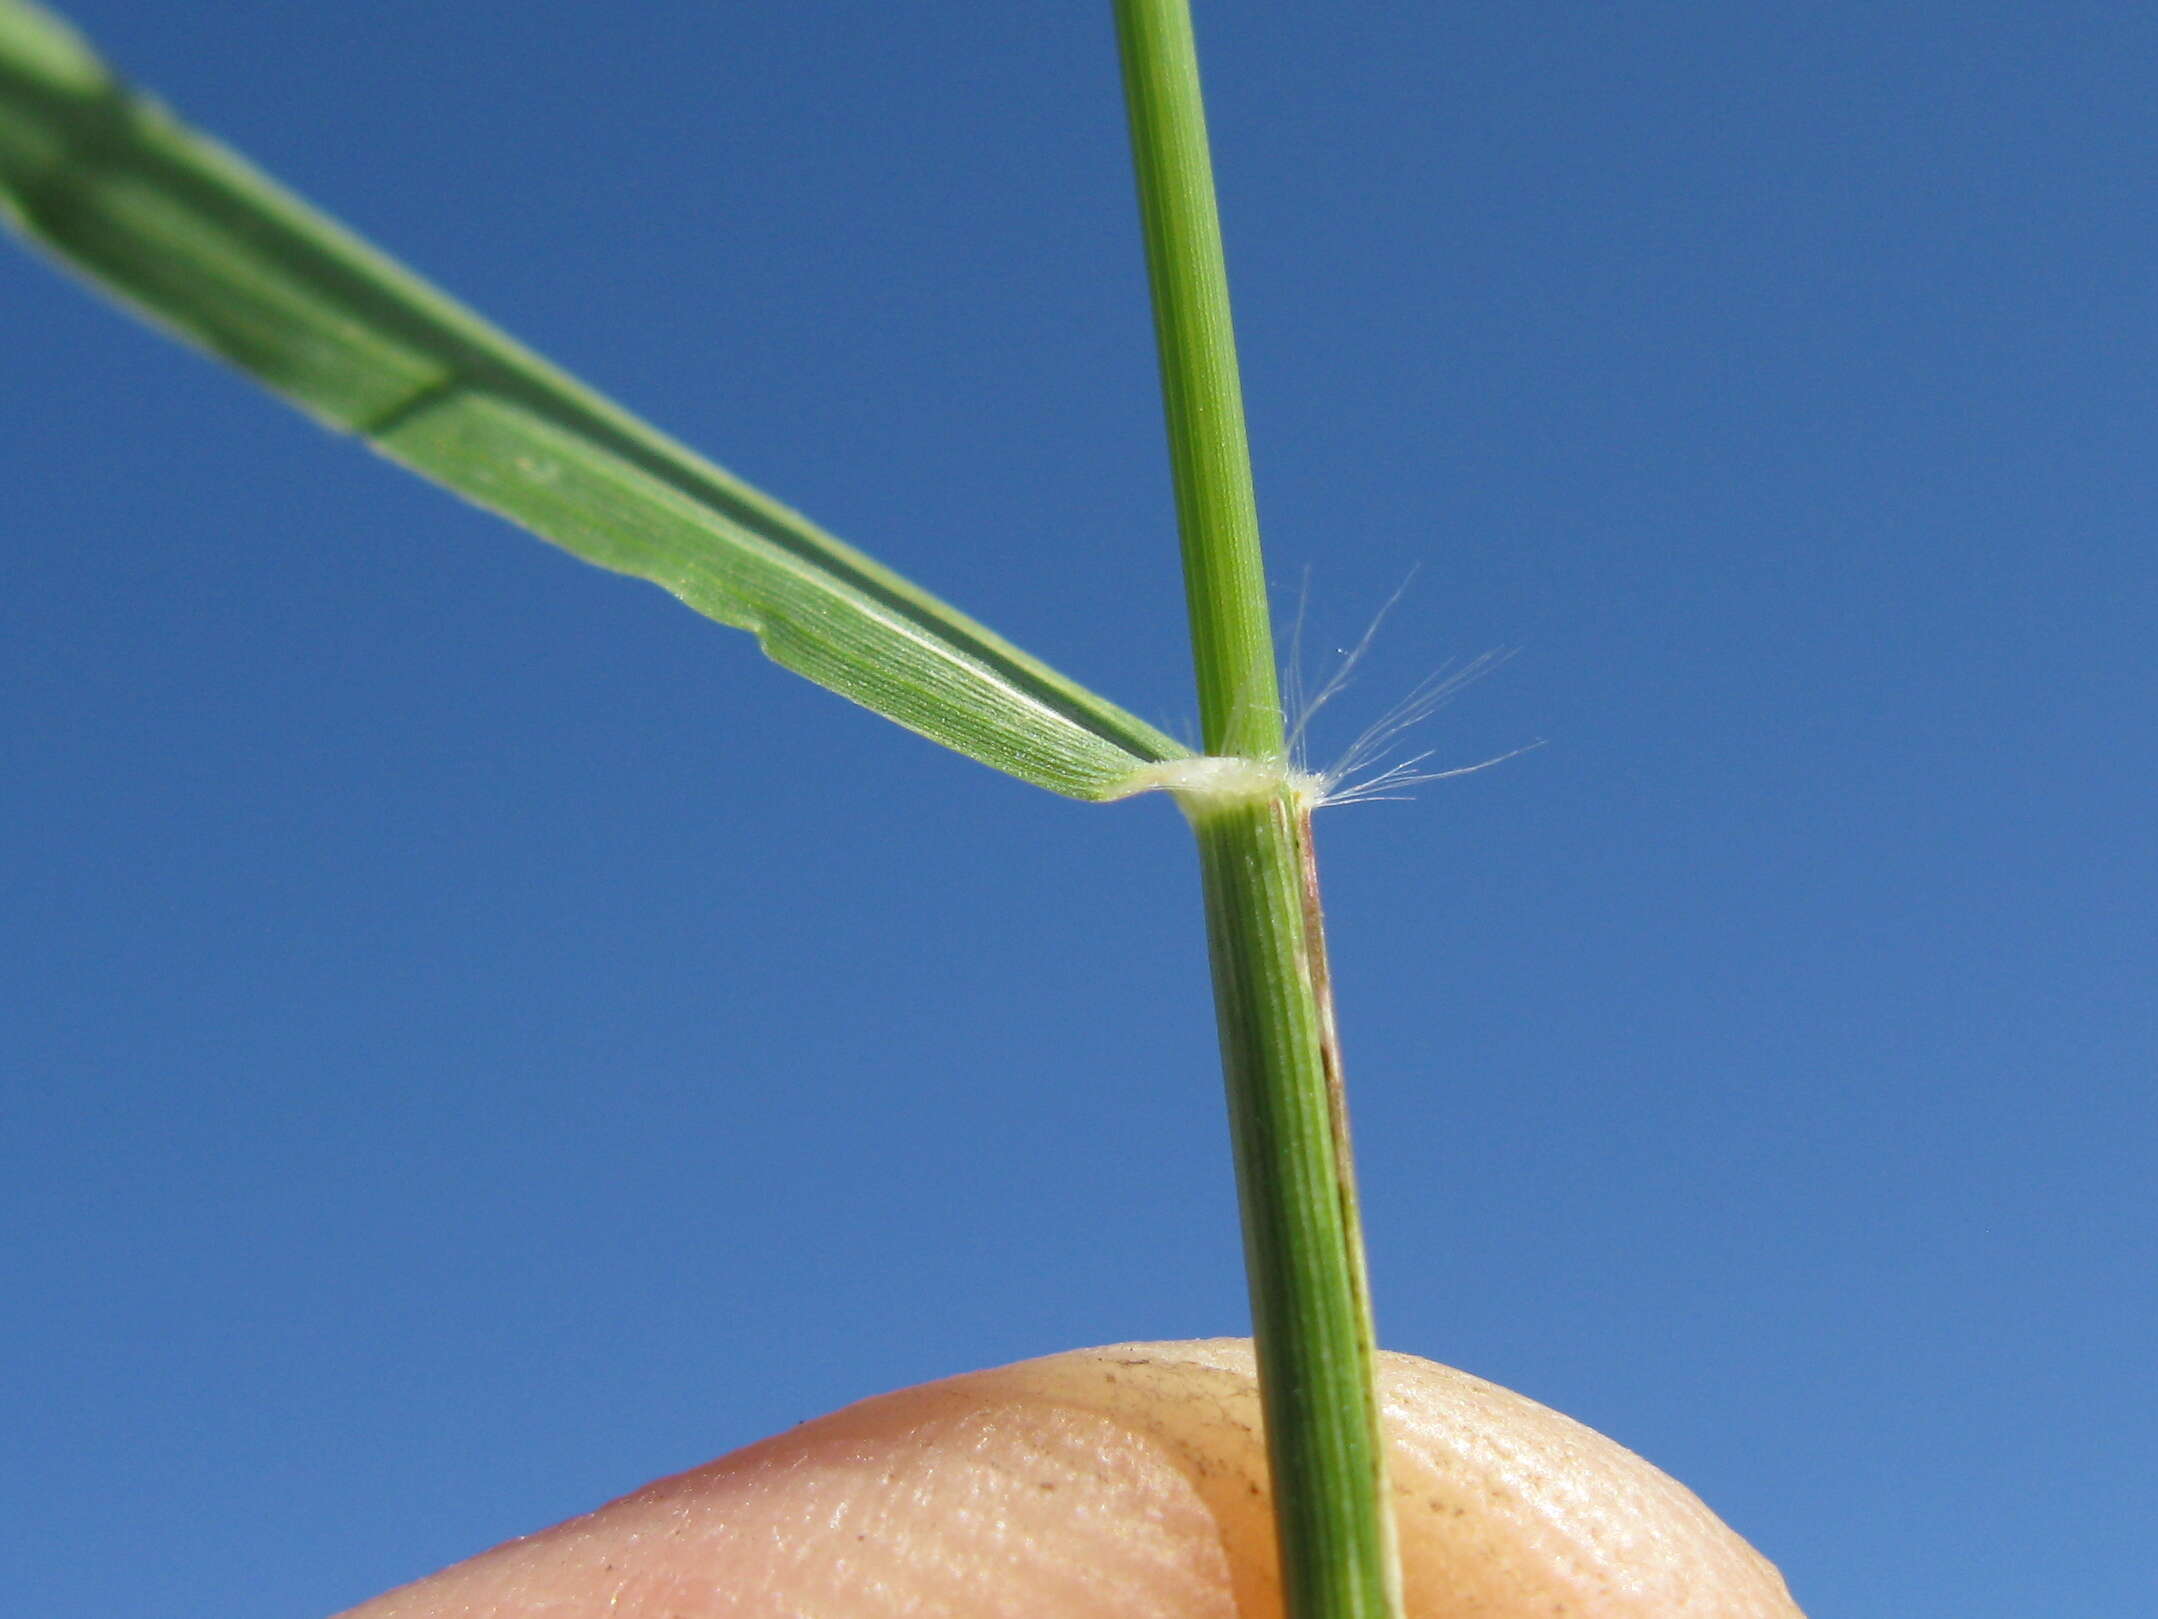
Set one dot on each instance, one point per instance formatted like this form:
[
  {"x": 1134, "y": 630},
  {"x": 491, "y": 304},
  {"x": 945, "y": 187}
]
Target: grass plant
[{"x": 197, "y": 240}]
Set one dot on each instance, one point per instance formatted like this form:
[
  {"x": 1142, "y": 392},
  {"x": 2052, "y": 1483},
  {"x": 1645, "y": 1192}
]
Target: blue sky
[{"x": 479, "y": 1037}]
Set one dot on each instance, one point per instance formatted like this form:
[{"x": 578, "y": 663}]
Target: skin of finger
[{"x": 1129, "y": 1482}]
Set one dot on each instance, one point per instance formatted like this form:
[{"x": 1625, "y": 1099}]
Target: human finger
[{"x": 1126, "y": 1482}]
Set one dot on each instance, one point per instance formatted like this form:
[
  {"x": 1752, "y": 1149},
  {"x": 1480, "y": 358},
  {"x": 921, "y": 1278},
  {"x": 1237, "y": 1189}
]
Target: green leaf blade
[
  {"x": 200, "y": 242},
  {"x": 809, "y": 616}
]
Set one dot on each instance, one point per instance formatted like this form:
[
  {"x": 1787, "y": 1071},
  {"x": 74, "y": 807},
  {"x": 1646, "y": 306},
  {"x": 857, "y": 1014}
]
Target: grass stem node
[{"x": 1211, "y": 782}]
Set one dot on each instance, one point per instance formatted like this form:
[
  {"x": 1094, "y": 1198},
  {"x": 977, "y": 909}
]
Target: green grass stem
[
  {"x": 1232, "y": 635},
  {"x": 1311, "y": 1313}
]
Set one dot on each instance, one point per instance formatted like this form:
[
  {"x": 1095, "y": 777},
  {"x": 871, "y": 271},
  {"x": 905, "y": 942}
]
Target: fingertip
[{"x": 1127, "y": 1481}]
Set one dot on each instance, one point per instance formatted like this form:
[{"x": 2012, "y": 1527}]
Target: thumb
[{"x": 1119, "y": 1483}]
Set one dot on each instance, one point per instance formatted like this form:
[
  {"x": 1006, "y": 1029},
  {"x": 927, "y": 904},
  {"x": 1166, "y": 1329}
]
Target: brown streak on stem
[
  {"x": 1322, "y": 993},
  {"x": 1337, "y": 1108}
]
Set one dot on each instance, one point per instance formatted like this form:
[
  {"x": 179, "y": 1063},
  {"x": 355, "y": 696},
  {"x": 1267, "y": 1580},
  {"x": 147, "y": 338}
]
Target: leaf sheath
[{"x": 1303, "y": 1245}]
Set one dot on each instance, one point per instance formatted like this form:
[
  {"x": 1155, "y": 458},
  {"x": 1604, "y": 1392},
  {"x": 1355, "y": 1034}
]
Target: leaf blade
[{"x": 194, "y": 237}]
